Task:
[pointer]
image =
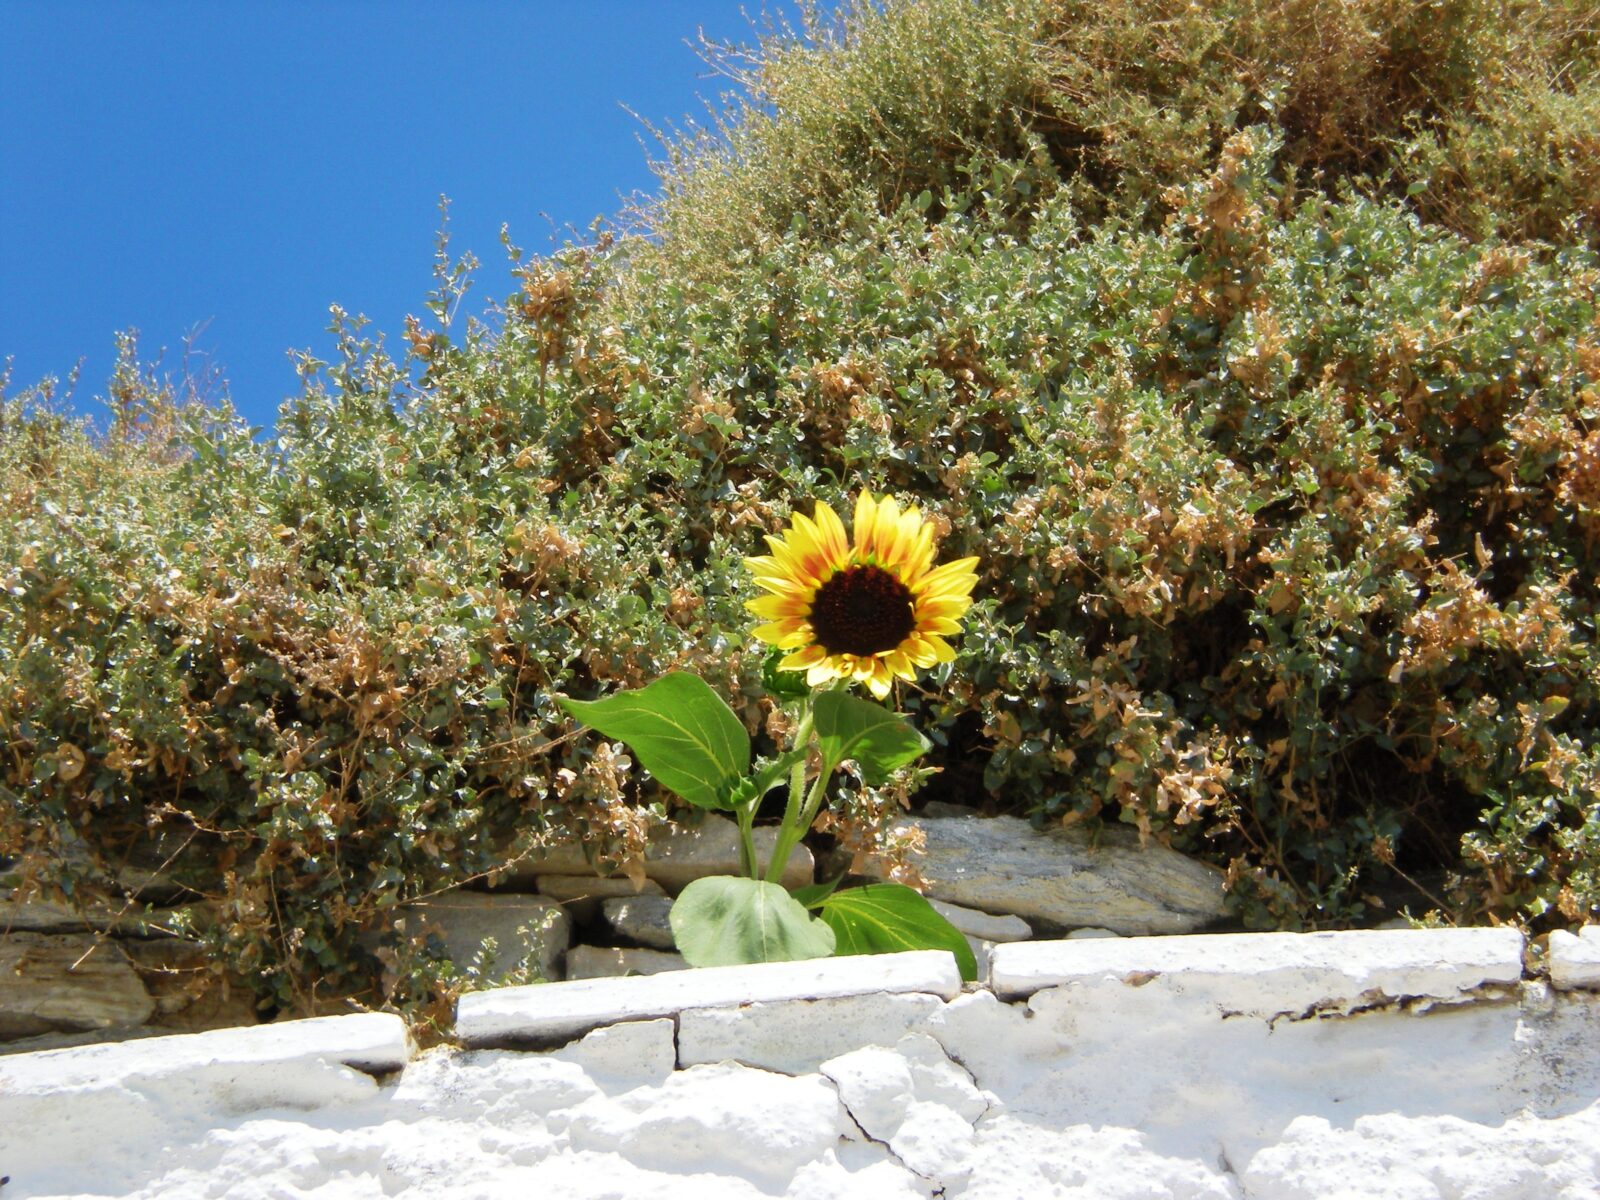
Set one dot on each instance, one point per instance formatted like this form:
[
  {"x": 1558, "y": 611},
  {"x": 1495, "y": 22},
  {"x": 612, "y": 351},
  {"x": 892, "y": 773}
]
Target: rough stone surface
[
  {"x": 581, "y": 895},
  {"x": 529, "y": 932},
  {"x": 1273, "y": 974},
  {"x": 794, "y": 1036},
  {"x": 1100, "y": 1087},
  {"x": 674, "y": 858},
  {"x": 914, "y": 1100},
  {"x": 1575, "y": 960},
  {"x": 366, "y": 1041},
  {"x": 981, "y": 925},
  {"x": 65, "y": 982},
  {"x": 561, "y": 1011},
  {"x": 191, "y": 993},
  {"x": 1061, "y": 876},
  {"x": 607, "y": 962},
  {"x": 642, "y": 919},
  {"x": 45, "y": 916}
]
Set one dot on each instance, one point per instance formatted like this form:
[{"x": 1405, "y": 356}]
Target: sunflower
[{"x": 870, "y": 611}]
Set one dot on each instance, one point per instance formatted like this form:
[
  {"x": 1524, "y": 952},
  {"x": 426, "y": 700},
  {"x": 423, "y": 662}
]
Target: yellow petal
[
  {"x": 879, "y": 682},
  {"x": 949, "y": 578},
  {"x": 806, "y": 656},
  {"x": 823, "y": 672},
  {"x": 866, "y": 519},
  {"x": 834, "y": 543},
  {"x": 777, "y": 607},
  {"x": 785, "y": 635}
]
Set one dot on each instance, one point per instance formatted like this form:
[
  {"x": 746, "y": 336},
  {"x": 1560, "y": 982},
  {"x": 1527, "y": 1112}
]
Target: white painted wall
[{"x": 1414, "y": 1064}]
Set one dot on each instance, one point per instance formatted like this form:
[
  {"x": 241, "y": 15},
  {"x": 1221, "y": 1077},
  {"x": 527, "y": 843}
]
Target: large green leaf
[
  {"x": 681, "y": 731},
  {"x": 886, "y": 918},
  {"x": 723, "y": 920},
  {"x": 878, "y": 740}
]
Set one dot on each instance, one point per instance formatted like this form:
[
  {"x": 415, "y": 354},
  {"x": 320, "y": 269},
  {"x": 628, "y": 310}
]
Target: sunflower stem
[
  {"x": 792, "y": 830},
  {"x": 746, "y": 815}
]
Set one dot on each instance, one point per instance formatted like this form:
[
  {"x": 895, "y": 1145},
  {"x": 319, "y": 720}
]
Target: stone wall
[
  {"x": 113, "y": 969},
  {"x": 1408, "y": 1063}
]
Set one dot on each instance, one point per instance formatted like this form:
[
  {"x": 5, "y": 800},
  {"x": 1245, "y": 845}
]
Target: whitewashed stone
[
  {"x": 1062, "y": 876},
  {"x": 560, "y": 1011},
  {"x": 1575, "y": 960},
  {"x": 371, "y": 1042},
  {"x": 875, "y": 1085},
  {"x": 723, "y": 1119},
  {"x": 581, "y": 895},
  {"x": 55, "y": 982},
  {"x": 610, "y": 962},
  {"x": 527, "y": 932},
  {"x": 981, "y": 925},
  {"x": 634, "y": 1053},
  {"x": 674, "y": 857},
  {"x": 642, "y": 919},
  {"x": 795, "y": 1036},
  {"x": 1270, "y": 974},
  {"x": 913, "y": 1099}
]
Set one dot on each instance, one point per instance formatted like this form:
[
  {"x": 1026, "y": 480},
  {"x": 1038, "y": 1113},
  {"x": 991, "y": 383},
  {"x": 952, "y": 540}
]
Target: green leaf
[
  {"x": 785, "y": 685},
  {"x": 723, "y": 920},
  {"x": 767, "y": 775},
  {"x": 886, "y": 918},
  {"x": 878, "y": 740},
  {"x": 813, "y": 894},
  {"x": 680, "y": 730}
]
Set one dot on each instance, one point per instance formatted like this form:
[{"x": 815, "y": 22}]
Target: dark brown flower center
[{"x": 861, "y": 610}]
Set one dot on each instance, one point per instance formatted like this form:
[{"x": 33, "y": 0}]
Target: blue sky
[{"x": 236, "y": 166}]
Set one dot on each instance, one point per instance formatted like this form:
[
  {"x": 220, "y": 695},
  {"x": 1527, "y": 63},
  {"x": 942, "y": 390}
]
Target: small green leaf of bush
[
  {"x": 725, "y": 920},
  {"x": 682, "y": 732},
  {"x": 886, "y": 918},
  {"x": 878, "y": 740}
]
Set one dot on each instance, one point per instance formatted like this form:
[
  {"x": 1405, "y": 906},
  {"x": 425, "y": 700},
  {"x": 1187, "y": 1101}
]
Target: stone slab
[
  {"x": 984, "y": 926},
  {"x": 1575, "y": 959},
  {"x": 610, "y": 962},
  {"x": 371, "y": 1042},
  {"x": 641, "y": 919},
  {"x": 1064, "y": 877},
  {"x": 1269, "y": 974},
  {"x": 527, "y": 931},
  {"x": 47, "y": 916},
  {"x": 797, "y": 1036},
  {"x": 562, "y": 1011},
  {"x": 674, "y": 857},
  {"x": 67, "y": 982},
  {"x": 581, "y": 895}
]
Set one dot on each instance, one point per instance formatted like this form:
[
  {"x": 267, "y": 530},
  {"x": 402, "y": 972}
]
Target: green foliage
[
  {"x": 1480, "y": 113},
  {"x": 683, "y": 733},
  {"x": 878, "y": 741},
  {"x": 726, "y": 920},
  {"x": 885, "y": 918},
  {"x": 1220, "y": 347}
]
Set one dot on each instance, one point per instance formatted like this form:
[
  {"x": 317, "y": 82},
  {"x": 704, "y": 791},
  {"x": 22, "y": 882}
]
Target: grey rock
[
  {"x": 1004, "y": 865},
  {"x": 983, "y": 925},
  {"x": 581, "y": 895},
  {"x": 674, "y": 858},
  {"x": 53, "y": 983},
  {"x": 46, "y": 916},
  {"x": 642, "y": 919},
  {"x": 529, "y": 932},
  {"x": 191, "y": 990},
  {"x": 601, "y": 962},
  {"x": 1089, "y": 933}
]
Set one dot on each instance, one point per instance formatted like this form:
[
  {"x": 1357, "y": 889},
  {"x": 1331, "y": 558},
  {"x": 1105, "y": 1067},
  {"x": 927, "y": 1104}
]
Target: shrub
[{"x": 1285, "y": 495}]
